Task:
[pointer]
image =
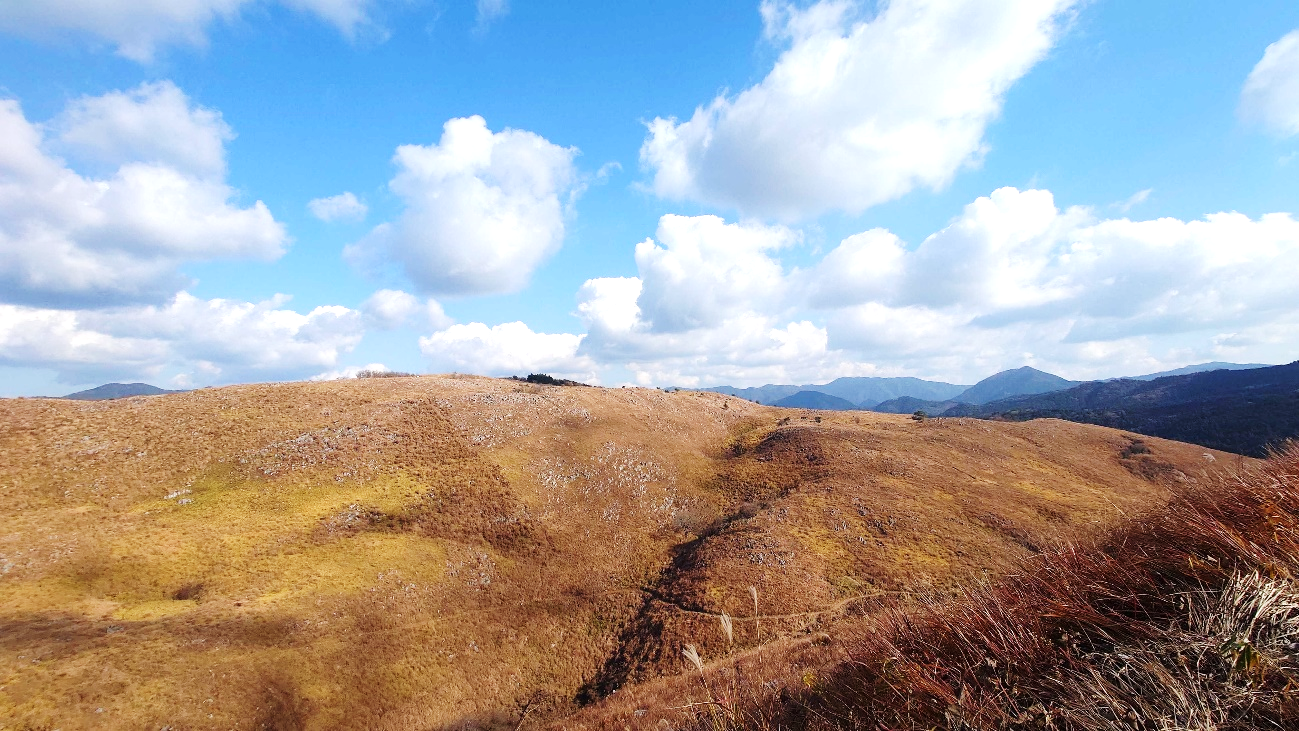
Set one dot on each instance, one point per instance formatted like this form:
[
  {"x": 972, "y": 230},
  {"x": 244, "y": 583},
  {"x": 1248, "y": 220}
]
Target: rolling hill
[
  {"x": 909, "y": 405},
  {"x": 1016, "y": 382},
  {"x": 1243, "y": 411},
  {"x": 453, "y": 551},
  {"x": 815, "y": 400},
  {"x": 110, "y": 391}
]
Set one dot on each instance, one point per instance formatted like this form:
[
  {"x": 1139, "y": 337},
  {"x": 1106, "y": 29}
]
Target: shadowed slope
[{"x": 1185, "y": 617}]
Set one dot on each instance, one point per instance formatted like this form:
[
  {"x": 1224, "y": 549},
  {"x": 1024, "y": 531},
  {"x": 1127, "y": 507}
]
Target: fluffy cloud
[
  {"x": 153, "y": 124},
  {"x": 483, "y": 210},
  {"x": 55, "y": 339},
  {"x": 1013, "y": 278},
  {"x": 1271, "y": 93},
  {"x": 215, "y": 340},
  {"x": 389, "y": 309},
  {"x": 342, "y": 207},
  {"x": 855, "y": 112},
  {"x": 138, "y": 27},
  {"x": 705, "y": 308},
  {"x": 511, "y": 348},
  {"x": 704, "y": 270},
  {"x": 69, "y": 240}
]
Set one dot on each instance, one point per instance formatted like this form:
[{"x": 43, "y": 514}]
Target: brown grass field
[{"x": 446, "y": 552}]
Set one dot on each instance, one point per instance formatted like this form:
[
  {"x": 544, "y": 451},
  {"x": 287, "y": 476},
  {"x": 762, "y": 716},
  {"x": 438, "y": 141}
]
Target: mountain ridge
[
  {"x": 894, "y": 394},
  {"x": 1247, "y": 411}
]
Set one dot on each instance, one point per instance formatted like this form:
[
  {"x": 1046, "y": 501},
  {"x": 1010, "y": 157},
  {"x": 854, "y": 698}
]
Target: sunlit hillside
[{"x": 455, "y": 552}]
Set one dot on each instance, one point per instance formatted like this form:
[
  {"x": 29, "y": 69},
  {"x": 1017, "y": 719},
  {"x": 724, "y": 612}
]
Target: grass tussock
[{"x": 1185, "y": 619}]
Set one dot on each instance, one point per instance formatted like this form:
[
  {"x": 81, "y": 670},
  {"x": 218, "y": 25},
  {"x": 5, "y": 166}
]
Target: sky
[{"x": 738, "y": 192}]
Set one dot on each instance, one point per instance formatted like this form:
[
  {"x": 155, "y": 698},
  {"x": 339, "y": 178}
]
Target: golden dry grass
[{"x": 447, "y": 552}]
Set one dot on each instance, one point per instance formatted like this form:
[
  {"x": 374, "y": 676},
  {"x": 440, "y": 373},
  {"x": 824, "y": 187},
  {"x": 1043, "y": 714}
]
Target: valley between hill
[{"x": 455, "y": 552}]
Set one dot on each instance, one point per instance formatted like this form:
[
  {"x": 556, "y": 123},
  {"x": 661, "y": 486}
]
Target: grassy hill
[
  {"x": 1182, "y": 617},
  {"x": 439, "y": 552}
]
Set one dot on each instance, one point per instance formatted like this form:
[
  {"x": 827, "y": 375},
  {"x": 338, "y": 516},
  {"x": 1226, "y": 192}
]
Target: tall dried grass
[{"x": 1185, "y": 619}]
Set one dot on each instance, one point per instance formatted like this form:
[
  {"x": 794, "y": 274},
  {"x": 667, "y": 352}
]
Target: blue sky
[{"x": 663, "y": 193}]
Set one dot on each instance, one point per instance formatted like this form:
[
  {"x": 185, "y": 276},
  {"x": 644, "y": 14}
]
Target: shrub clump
[{"x": 547, "y": 380}]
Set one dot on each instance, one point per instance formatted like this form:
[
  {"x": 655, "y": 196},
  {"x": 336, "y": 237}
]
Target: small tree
[{"x": 920, "y": 415}]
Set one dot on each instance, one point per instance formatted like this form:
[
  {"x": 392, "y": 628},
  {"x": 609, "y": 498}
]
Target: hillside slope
[{"x": 436, "y": 552}]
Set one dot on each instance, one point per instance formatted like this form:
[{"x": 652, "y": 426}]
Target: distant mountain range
[
  {"x": 908, "y": 395},
  {"x": 861, "y": 392},
  {"x": 110, "y": 391},
  {"x": 1201, "y": 368},
  {"x": 1016, "y": 382},
  {"x": 1236, "y": 410}
]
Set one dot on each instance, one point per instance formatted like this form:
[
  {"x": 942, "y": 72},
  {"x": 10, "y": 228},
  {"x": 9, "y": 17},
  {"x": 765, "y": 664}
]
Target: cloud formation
[
  {"x": 856, "y": 111},
  {"x": 1013, "y": 277},
  {"x": 703, "y": 270},
  {"x": 137, "y": 28},
  {"x": 342, "y": 207},
  {"x": 1271, "y": 93},
  {"x": 210, "y": 341},
  {"x": 482, "y": 210},
  {"x": 510, "y": 348},
  {"x": 1012, "y": 280},
  {"x": 154, "y": 123},
  {"x": 70, "y": 240},
  {"x": 389, "y": 309}
]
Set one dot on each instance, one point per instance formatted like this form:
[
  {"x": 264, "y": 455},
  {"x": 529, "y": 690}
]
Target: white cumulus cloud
[
  {"x": 154, "y": 123},
  {"x": 72, "y": 240},
  {"x": 342, "y": 207},
  {"x": 138, "y": 27},
  {"x": 212, "y": 341},
  {"x": 510, "y": 348},
  {"x": 1014, "y": 278},
  {"x": 706, "y": 308},
  {"x": 856, "y": 111},
  {"x": 703, "y": 270},
  {"x": 482, "y": 210},
  {"x": 389, "y": 309},
  {"x": 1271, "y": 93}
]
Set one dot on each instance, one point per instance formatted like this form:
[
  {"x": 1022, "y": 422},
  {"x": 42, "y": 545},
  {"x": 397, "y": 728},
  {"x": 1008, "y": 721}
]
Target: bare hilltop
[{"x": 444, "y": 552}]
